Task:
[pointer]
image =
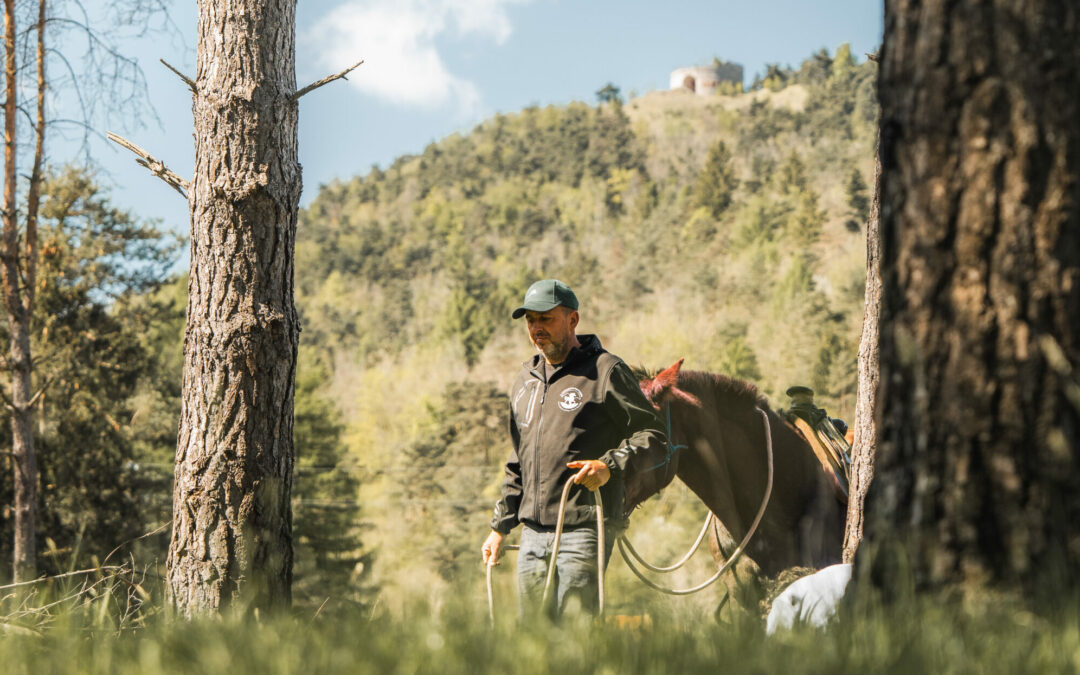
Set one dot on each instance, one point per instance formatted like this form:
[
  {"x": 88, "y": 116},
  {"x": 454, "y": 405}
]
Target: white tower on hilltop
[{"x": 704, "y": 80}]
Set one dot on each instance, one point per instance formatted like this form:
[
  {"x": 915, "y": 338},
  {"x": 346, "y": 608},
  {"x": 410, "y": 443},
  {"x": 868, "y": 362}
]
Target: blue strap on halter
[{"x": 672, "y": 447}]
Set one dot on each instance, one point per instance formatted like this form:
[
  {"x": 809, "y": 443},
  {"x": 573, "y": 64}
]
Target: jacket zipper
[{"x": 536, "y": 451}]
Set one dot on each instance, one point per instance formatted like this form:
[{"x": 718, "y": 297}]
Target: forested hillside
[
  {"x": 726, "y": 230},
  {"x": 723, "y": 229}
]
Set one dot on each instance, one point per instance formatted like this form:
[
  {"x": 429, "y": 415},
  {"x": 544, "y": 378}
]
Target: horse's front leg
[{"x": 744, "y": 580}]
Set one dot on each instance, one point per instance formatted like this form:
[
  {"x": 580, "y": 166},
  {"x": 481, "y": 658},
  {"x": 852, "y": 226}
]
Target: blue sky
[{"x": 433, "y": 67}]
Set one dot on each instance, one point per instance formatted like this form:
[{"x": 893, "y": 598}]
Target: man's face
[{"x": 552, "y": 332}]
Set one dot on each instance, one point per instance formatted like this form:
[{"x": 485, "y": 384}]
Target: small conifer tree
[{"x": 717, "y": 181}]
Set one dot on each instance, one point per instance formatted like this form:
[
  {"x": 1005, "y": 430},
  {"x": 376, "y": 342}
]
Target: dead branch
[
  {"x": 40, "y": 392},
  {"x": 61, "y": 576},
  {"x": 156, "y": 166},
  {"x": 151, "y": 533},
  {"x": 327, "y": 80},
  {"x": 187, "y": 80}
]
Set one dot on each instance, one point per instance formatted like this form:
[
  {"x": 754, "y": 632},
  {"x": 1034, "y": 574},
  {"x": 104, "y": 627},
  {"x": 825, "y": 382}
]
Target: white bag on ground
[{"x": 811, "y": 600}]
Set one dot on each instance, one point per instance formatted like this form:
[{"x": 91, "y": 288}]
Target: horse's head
[{"x": 655, "y": 473}]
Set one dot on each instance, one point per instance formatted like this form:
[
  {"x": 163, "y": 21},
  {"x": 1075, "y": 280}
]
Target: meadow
[{"x": 928, "y": 635}]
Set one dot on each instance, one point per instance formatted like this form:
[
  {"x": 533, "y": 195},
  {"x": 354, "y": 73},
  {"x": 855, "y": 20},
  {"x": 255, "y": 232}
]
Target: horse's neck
[
  {"x": 713, "y": 472},
  {"x": 726, "y": 466}
]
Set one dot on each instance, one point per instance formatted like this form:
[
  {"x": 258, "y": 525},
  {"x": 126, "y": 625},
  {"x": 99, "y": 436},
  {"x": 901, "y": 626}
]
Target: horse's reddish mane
[{"x": 726, "y": 390}]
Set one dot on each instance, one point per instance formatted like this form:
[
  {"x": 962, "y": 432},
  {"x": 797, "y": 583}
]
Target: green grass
[{"x": 921, "y": 636}]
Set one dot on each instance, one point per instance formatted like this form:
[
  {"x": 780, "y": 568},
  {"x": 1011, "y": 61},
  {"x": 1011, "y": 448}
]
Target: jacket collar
[{"x": 590, "y": 346}]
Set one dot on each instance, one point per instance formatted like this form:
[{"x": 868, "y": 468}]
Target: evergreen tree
[
  {"x": 470, "y": 316},
  {"x": 461, "y": 447},
  {"x": 738, "y": 360},
  {"x": 94, "y": 259},
  {"x": 608, "y": 94},
  {"x": 792, "y": 174},
  {"x": 806, "y": 221},
  {"x": 330, "y": 559},
  {"x": 717, "y": 182},
  {"x": 857, "y": 199}
]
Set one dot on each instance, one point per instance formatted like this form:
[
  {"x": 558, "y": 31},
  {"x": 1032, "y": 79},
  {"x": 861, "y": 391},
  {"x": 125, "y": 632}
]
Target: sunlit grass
[{"x": 922, "y": 636}]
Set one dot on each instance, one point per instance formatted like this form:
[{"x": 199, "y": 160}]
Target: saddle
[{"x": 831, "y": 446}]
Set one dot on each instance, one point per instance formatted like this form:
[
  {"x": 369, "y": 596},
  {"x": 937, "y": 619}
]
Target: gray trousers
[{"x": 575, "y": 586}]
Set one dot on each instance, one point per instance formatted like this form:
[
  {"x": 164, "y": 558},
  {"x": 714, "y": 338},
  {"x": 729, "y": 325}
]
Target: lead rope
[
  {"x": 742, "y": 545},
  {"x": 599, "y": 545},
  {"x": 600, "y": 541},
  {"x": 671, "y": 568},
  {"x": 673, "y": 447}
]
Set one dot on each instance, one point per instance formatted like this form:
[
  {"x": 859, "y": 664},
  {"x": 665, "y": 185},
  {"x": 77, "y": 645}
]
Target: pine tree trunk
[
  {"x": 864, "y": 447},
  {"x": 22, "y": 448},
  {"x": 231, "y": 541},
  {"x": 22, "y": 416},
  {"x": 978, "y": 466}
]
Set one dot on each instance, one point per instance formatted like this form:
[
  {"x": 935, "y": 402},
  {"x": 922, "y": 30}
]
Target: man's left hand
[{"x": 593, "y": 473}]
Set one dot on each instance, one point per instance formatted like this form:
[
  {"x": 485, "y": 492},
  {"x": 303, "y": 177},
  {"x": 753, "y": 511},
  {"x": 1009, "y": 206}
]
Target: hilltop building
[{"x": 704, "y": 80}]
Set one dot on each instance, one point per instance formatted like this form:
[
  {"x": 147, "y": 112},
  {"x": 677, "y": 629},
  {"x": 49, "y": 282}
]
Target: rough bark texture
[
  {"x": 18, "y": 313},
  {"x": 231, "y": 541},
  {"x": 864, "y": 447},
  {"x": 978, "y": 468}
]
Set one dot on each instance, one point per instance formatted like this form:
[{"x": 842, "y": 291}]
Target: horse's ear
[
  {"x": 664, "y": 387},
  {"x": 669, "y": 377}
]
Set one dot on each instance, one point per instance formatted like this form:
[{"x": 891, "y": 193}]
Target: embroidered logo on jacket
[{"x": 571, "y": 399}]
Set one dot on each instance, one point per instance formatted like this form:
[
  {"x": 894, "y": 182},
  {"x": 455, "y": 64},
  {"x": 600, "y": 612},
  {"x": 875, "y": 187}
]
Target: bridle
[{"x": 671, "y": 449}]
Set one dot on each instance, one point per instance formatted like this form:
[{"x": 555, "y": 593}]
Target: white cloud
[{"x": 396, "y": 39}]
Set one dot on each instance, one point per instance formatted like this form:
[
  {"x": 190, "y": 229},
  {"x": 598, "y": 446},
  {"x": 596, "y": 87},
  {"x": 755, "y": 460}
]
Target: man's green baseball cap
[{"x": 545, "y": 295}]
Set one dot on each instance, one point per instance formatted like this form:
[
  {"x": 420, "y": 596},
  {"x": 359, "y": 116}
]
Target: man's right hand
[{"x": 492, "y": 548}]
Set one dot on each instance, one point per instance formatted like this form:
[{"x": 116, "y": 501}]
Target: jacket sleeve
[
  {"x": 644, "y": 442},
  {"x": 505, "y": 517}
]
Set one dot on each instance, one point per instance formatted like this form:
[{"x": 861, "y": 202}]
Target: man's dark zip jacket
[{"x": 591, "y": 408}]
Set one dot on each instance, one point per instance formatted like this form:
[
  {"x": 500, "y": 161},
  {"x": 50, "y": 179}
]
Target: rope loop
[{"x": 742, "y": 545}]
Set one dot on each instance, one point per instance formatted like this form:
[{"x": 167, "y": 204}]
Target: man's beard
[{"x": 554, "y": 351}]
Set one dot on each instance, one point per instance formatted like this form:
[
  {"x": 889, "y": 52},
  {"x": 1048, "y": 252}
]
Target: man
[{"x": 577, "y": 414}]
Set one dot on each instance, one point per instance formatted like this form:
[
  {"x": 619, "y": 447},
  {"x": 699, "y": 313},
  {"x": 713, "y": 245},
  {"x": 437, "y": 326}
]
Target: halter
[{"x": 672, "y": 446}]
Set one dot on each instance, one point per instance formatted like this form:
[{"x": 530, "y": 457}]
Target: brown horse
[{"x": 718, "y": 450}]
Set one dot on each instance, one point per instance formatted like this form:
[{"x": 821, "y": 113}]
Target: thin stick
[
  {"x": 141, "y": 536},
  {"x": 187, "y": 80},
  {"x": 59, "y": 576},
  {"x": 319, "y": 610},
  {"x": 40, "y": 392},
  {"x": 327, "y": 80},
  {"x": 156, "y": 166}
]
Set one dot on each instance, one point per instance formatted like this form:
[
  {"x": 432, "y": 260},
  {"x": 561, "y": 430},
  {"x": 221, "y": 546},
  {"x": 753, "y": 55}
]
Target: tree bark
[
  {"x": 864, "y": 447},
  {"x": 231, "y": 541},
  {"x": 33, "y": 192},
  {"x": 25, "y": 477},
  {"x": 978, "y": 469}
]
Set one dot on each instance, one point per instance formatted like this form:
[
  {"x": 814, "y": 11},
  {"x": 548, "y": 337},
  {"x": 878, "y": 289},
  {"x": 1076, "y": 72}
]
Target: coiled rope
[
  {"x": 670, "y": 568},
  {"x": 600, "y": 547}
]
